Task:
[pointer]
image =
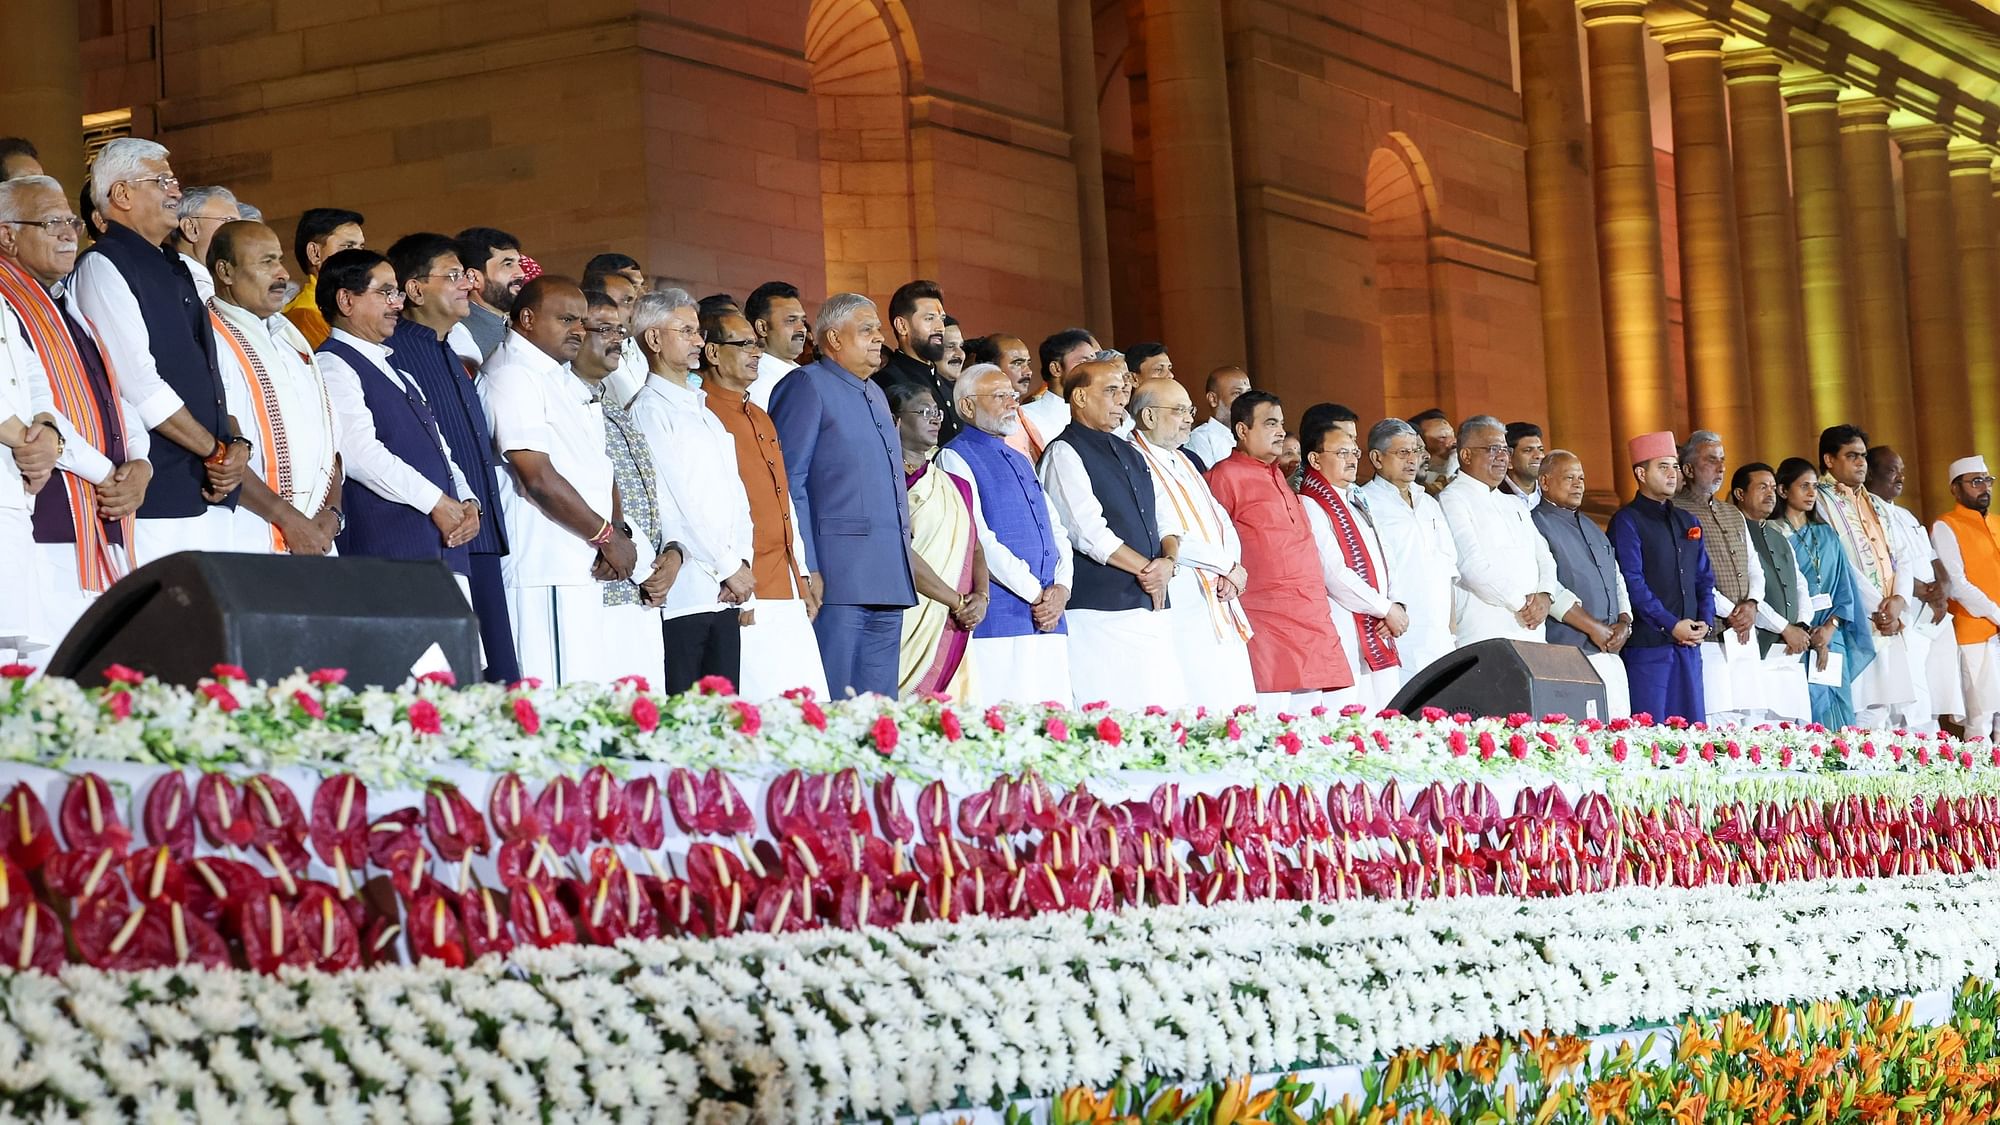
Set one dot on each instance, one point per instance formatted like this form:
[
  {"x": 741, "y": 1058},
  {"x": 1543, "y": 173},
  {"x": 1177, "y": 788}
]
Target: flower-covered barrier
[{"x": 868, "y": 907}]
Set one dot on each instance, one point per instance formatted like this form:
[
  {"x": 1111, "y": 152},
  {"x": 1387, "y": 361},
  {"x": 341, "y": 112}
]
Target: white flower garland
[{"x": 827, "y": 1024}]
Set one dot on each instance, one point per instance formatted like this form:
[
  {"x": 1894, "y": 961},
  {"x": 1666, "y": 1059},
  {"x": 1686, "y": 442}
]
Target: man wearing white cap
[
  {"x": 1670, "y": 582},
  {"x": 1967, "y": 540}
]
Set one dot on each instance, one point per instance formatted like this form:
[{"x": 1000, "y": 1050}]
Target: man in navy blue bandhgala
[
  {"x": 845, "y": 464},
  {"x": 1672, "y": 585}
]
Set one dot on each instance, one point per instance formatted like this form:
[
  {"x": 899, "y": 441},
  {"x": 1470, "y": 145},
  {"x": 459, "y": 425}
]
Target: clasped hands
[{"x": 457, "y": 520}]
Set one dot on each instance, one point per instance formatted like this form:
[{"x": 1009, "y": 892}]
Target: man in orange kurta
[
  {"x": 1295, "y": 654},
  {"x": 1967, "y": 541}
]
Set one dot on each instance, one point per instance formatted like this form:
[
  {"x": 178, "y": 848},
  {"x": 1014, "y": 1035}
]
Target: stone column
[
  {"x": 1718, "y": 347},
  {"x": 1628, "y": 225},
  {"x": 1194, "y": 184},
  {"x": 41, "y": 84},
  {"x": 1779, "y": 390},
  {"x": 1564, "y": 240},
  {"x": 1819, "y": 206},
  {"x": 1086, "y": 151},
  {"x": 1937, "y": 341},
  {"x": 1875, "y": 261},
  {"x": 1978, "y": 293}
]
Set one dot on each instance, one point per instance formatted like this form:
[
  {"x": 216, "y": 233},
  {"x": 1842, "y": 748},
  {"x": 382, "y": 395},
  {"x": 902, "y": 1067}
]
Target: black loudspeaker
[
  {"x": 1501, "y": 677},
  {"x": 178, "y": 617}
]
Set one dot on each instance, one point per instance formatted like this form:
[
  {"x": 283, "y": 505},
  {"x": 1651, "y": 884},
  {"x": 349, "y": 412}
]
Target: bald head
[
  {"x": 1562, "y": 480},
  {"x": 549, "y": 312},
  {"x": 1163, "y": 411}
]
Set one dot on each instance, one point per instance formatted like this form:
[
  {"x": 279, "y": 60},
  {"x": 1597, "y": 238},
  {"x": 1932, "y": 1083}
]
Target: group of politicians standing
[{"x": 628, "y": 481}]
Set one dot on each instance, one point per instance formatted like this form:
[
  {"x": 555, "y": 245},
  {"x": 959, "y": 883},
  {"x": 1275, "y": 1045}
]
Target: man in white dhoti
[
  {"x": 291, "y": 494},
  {"x": 1351, "y": 560},
  {"x": 1507, "y": 585},
  {"x": 1423, "y": 558},
  {"x": 1022, "y": 644},
  {"x": 30, "y": 443},
  {"x": 1727, "y": 695},
  {"x": 1967, "y": 540},
  {"x": 1927, "y": 627},
  {"x": 1124, "y": 539},
  {"x": 557, "y": 495},
  {"x": 1782, "y": 633},
  {"x": 1211, "y": 630},
  {"x": 1884, "y": 692}
]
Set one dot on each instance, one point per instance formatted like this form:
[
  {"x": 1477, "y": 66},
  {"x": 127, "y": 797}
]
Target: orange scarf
[{"x": 96, "y": 570}]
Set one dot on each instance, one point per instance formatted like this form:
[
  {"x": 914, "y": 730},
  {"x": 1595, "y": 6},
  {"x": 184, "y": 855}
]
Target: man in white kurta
[
  {"x": 29, "y": 446},
  {"x": 1927, "y": 625},
  {"x": 1967, "y": 540},
  {"x": 292, "y": 506},
  {"x": 1059, "y": 355},
  {"x": 703, "y": 505},
  {"x": 778, "y": 319},
  {"x": 1422, "y": 556},
  {"x": 1027, "y": 663},
  {"x": 1213, "y": 439},
  {"x": 1360, "y": 599},
  {"x": 557, "y": 495},
  {"x": 1507, "y": 585},
  {"x": 1211, "y": 630},
  {"x": 1885, "y": 693}
]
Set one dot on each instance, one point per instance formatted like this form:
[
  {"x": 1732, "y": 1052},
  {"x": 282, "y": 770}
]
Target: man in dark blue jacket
[{"x": 1671, "y": 583}]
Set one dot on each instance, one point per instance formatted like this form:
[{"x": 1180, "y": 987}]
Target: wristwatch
[{"x": 339, "y": 521}]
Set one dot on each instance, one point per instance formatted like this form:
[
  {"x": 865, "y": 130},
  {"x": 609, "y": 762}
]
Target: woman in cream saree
[{"x": 950, "y": 569}]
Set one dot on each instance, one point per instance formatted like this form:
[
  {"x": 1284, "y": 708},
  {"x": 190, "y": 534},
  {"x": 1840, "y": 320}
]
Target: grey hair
[
  {"x": 837, "y": 311},
  {"x": 651, "y": 310},
  {"x": 193, "y": 198},
  {"x": 118, "y": 162},
  {"x": 13, "y": 194},
  {"x": 1387, "y": 430},
  {"x": 1144, "y": 394},
  {"x": 969, "y": 378},
  {"x": 1108, "y": 355},
  {"x": 1555, "y": 457},
  {"x": 1695, "y": 441},
  {"x": 249, "y": 212},
  {"x": 1479, "y": 422}
]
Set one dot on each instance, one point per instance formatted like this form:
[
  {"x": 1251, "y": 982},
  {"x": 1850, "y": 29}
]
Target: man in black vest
[
  {"x": 155, "y": 331},
  {"x": 1125, "y": 542},
  {"x": 1781, "y": 617},
  {"x": 916, "y": 327}
]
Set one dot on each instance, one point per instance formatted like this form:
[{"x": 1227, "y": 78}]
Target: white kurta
[
  {"x": 24, "y": 393},
  {"x": 1210, "y": 634},
  {"x": 1211, "y": 441},
  {"x": 534, "y": 403},
  {"x": 1933, "y": 644},
  {"x": 1502, "y": 560},
  {"x": 1978, "y": 664},
  {"x": 1050, "y": 413},
  {"x": 1032, "y": 668},
  {"x": 312, "y": 437},
  {"x": 703, "y": 506},
  {"x": 780, "y": 652},
  {"x": 1886, "y": 685},
  {"x": 770, "y": 369},
  {"x": 1348, "y": 593},
  {"x": 1423, "y": 568},
  {"x": 1126, "y": 658},
  {"x": 1728, "y": 695}
]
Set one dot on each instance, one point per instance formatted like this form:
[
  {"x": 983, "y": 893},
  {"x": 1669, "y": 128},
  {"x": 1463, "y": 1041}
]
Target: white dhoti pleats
[
  {"x": 780, "y": 653},
  {"x": 1030, "y": 669},
  {"x": 1979, "y": 683},
  {"x": 1215, "y": 670},
  {"x": 566, "y": 634},
  {"x": 59, "y": 598},
  {"x": 213, "y": 530},
  {"x": 1125, "y": 658},
  {"x": 1617, "y": 689}
]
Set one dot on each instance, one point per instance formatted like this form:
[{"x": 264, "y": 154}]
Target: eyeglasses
[
  {"x": 1003, "y": 396},
  {"x": 751, "y": 345},
  {"x": 388, "y": 293},
  {"x": 1405, "y": 453},
  {"x": 167, "y": 183},
  {"x": 686, "y": 332},
  {"x": 1183, "y": 411},
  {"x": 56, "y": 227},
  {"x": 449, "y": 277},
  {"x": 927, "y": 413},
  {"x": 1489, "y": 450},
  {"x": 609, "y": 331},
  {"x": 1979, "y": 482},
  {"x": 1344, "y": 454}
]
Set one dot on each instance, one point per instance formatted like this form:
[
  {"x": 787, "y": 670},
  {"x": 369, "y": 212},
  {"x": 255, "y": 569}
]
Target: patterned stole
[
  {"x": 270, "y": 420},
  {"x": 1378, "y": 651},
  {"x": 1226, "y": 616},
  {"x": 1871, "y": 543},
  {"x": 95, "y": 568}
]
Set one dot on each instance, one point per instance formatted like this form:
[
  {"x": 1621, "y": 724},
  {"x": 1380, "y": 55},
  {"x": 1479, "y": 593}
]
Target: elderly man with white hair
[
  {"x": 1022, "y": 644},
  {"x": 1423, "y": 558},
  {"x": 201, "y": 213},
  {"x": 844, "y": 459},
  {"x": 143, "y": 303},
  {"x": 1507, "y": 584},
  {"x": 1211, "y": 631}
]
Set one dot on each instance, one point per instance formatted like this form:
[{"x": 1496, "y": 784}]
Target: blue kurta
[{"x": 1669, "y": 580}]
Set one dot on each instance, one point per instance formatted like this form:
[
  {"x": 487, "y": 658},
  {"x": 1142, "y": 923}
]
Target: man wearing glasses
[
  {"x": 703, "y": 504},
  {"x": 82, "y": 519},
  {"x": 1507, "y": 585},
  {"x": 1423, "y": 557},
  {"x": 404, "y": 497},
  {"x": 1883, "y": 577},
  {"x": 142, "y": 303},
  {"x": 202, "y": 212},
  {"x": 436, "y": 299},
  {"x": 779, "y": 650},
  {"x": 1351, "y": 560},
  {"x": 1967, "y": 540}
]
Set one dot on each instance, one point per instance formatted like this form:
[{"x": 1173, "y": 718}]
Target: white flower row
[{"x": 824, "y": 1025}]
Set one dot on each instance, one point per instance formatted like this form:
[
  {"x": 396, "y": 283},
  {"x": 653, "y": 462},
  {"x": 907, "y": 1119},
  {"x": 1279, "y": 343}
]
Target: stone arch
[
  {"x": 1402, "y": 207},
  {"x": 865, "y": 69}
]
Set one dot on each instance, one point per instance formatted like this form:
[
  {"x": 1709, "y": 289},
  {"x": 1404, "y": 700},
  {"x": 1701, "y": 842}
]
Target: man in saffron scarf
[
  {"x": 1211, "y": 631},
  {"x": 950, "y": 569},
  {"x": 1886, "y": 691},
  {"x": 1351, "y": 560},
  {"x": 1296, "y": 656},
  {"x": 83, "y": 526}
]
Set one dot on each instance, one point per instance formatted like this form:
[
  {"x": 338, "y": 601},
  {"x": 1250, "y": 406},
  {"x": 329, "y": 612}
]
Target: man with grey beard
[{"x": 1022, "y": 645}]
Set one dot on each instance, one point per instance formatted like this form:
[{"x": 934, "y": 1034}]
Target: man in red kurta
[{"x": 1295, "y": 655}]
